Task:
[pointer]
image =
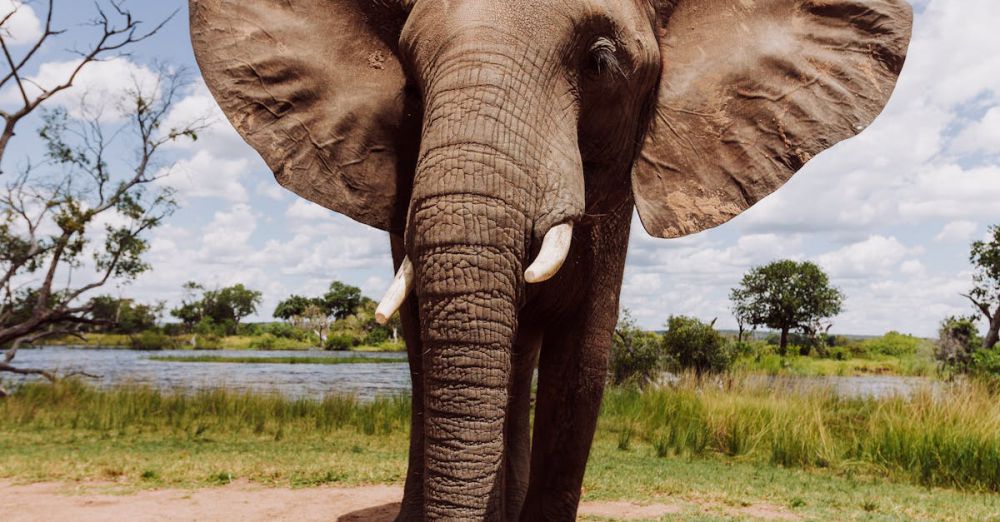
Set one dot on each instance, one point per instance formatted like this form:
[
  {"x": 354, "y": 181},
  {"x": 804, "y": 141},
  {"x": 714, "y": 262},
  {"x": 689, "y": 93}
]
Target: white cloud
[
  {"x": 23, "y": 26},
  {"x": 873, "y": 257},
  {"x": 271, "y": 190},
  {"x": 980, "y": 136},
  {"x": 304, "y": 210},
  {"x": 952, "y": 192},
  {"x": 206, "y": 176},
  {"x": 97, "y": 82},
  {"x": 218, "y": 137},
  {"x": 960, "y": 231},
  {"x": 227, "y": 235}
]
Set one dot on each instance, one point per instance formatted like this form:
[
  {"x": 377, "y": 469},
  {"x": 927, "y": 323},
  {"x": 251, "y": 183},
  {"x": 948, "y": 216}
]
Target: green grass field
[
  {"x": 713, "y": 448},
  {"x": 274, "y": 360}
]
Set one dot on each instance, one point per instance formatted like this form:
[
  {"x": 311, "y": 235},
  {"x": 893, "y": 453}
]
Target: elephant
[{"x": 504, "y": 146}]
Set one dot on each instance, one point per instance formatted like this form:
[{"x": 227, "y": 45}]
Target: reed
[
  {"x": 137, "y": 410},
  {"x": 946, "y": 436}
]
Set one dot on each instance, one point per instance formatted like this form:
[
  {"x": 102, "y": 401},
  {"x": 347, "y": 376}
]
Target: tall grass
[
  {"x": 946, "y": 437},
  {"x": 136, "y": 409}
]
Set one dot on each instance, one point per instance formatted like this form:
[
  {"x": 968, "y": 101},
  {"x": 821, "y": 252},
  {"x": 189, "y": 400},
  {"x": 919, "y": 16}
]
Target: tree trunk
[
  {"x": 783, "y": 347},
  {"x": 993, "y": 334}
]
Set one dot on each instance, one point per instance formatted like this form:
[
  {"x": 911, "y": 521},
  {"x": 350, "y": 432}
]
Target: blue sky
[{"x": 889, "y": 214}]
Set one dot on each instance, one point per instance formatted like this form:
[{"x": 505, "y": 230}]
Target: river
[{"x": 117, "y": 366}]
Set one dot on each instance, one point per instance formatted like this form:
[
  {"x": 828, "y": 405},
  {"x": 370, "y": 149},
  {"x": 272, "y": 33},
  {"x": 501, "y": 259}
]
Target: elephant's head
[{"x": 478, "y": 127}]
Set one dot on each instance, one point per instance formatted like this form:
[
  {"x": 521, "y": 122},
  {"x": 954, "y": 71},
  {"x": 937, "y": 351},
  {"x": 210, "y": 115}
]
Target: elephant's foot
[{"x": 411, "y": 509}]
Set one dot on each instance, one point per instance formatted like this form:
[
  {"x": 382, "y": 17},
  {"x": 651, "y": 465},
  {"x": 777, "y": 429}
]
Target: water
[
  {"x": 363, "y": 380},
  {"x": 295, "y": 380}
]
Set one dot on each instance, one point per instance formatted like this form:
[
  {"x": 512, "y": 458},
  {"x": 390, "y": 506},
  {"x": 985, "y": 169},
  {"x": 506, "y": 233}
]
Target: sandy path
[{"x": 244, "y": 502}]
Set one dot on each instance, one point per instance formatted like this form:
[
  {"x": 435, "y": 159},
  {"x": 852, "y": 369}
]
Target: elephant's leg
[
  {"x": 572, "y": 370},
  {"x": 518, "y": 423},
  {"x": 413, "y": 494}
]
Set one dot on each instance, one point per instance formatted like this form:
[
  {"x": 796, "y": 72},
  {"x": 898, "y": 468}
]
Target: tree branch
[{"x": 982, "y": 307}]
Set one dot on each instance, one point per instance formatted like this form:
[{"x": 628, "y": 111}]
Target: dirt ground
[{"x": 245, "y": 502}]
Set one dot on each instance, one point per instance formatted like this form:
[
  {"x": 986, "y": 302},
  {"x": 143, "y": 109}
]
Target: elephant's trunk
[
  {"x": 468, "y": 295},
  {"x": 498, "y": 168},
  {"x": 468, "y": 249}
]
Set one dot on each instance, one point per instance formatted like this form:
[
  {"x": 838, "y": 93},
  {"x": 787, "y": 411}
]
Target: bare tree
[
  {"x": 985, "y": 295},
  {"x": 79, "y": 209}
]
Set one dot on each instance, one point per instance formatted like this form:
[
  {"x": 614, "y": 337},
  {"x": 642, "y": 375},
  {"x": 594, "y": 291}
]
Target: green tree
[
  {"x": 693, "y": 345},
  {"x": 124, "y": 316},
  {"x": 293, "y": 307},
  {"x": 341, "y": 300},
  {"x": 985, "y": 294},
  {"x": 190, "y": 311},
  {"x": 786, "y": 296},
  {"x": 224, "y": 307},
  {"x": 88, "y": 200},
  {"x": 231, "y": 304},
  {"x": 636, "y": 355}
]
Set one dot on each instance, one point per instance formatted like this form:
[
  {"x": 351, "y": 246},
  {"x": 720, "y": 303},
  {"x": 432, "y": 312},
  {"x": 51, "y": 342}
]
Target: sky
[{"x": 889, "y": 215}]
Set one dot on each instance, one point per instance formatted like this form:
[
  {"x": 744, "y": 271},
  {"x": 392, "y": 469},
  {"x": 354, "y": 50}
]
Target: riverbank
[
  {"x": 229, "y": 359},
  {"x": 932, "y": 456},
  {"x": 229, "y": 342}
]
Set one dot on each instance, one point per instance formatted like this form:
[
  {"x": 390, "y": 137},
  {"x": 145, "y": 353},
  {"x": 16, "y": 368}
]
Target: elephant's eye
[{"x": 603, "y": 59}]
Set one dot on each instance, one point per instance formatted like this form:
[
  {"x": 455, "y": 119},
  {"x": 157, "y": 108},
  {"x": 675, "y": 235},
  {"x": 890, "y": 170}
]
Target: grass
[
  {"x": 274, "y": 360},
  {"x": 916, "y": 365},
  {"x": 716, "y": 449},
  {"x": 947, "y": 437}
]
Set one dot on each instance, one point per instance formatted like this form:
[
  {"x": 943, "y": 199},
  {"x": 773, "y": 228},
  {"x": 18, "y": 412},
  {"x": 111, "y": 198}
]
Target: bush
[
  {"x": 693, "y": 345},
  {"x": 264, "y": 342},
  {"x": 283, "y": 331},
  {"x": 893, "y": 344},
  {"x": 958, "y": 340},
  {"x": 151, "y": 340},
  {"x": 207, "y": 342},
  {"x": 986, "y": 364},
  {"x": 377, "y": 336},
  {"x": 796, "y": 341},
  {"x": 341, "y": 342},
  {"x": 636, "y": 355}
]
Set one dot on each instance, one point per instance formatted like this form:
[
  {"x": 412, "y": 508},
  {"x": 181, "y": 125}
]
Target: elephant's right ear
[
  {"x": 753, "y": 89},
  {"x": 315, "y": 86}
]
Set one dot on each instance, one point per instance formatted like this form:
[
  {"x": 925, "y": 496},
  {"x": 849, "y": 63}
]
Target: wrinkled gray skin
[
  {"x": 502, "y": 153},
  {"x": 529, "y": 114}
]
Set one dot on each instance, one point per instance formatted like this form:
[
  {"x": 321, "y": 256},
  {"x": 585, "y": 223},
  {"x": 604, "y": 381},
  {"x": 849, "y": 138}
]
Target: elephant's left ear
[
  {"x": 753, "y": 89},
  {"x": 317, "y": 88}
]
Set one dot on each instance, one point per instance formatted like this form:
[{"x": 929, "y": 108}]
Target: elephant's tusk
[
  {"x": 552, "y": 255},
  {"x": 397, "y": 292}
]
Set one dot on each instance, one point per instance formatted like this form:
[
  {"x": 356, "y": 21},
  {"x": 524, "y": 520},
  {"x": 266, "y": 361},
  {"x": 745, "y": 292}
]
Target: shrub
[
  {"x": 958, "y": 340},
  {"x": 636, "y": 355},
  {"x": 693, "y": 345},
  {"x": 264, "y": 342},
  {"x": 151, "y": 340},
  {"x": 377, "y": 336},
  {"x": 283, "y": 331},
  {"x": 207, "y": 342},
  {"x": 893, "y": 344},
  {"x": 986, "y": 364},
  {"x": 341, "y": 342}
]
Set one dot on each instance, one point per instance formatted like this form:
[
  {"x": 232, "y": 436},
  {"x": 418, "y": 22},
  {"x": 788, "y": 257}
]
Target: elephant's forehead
[{"x": 540, "y": 17}]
